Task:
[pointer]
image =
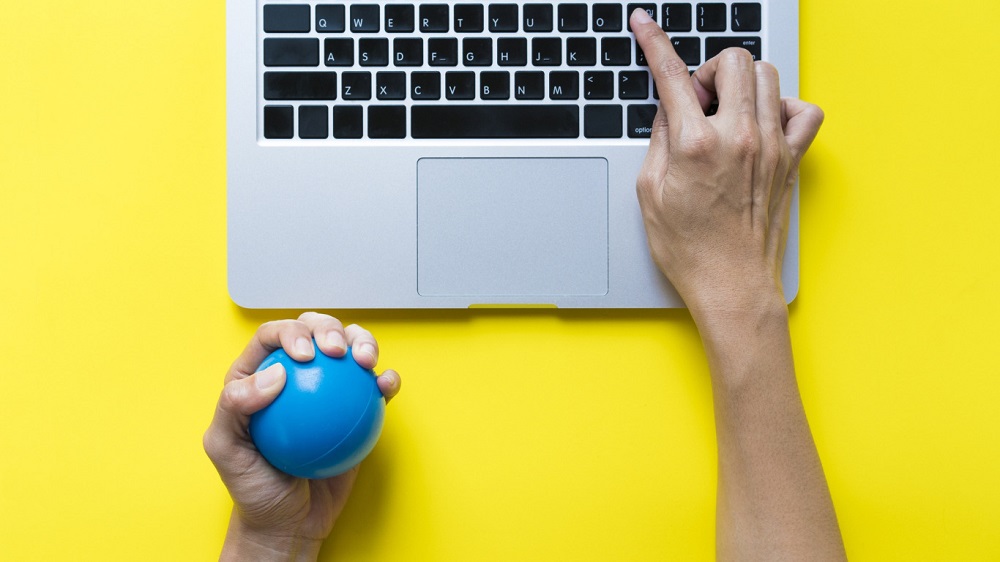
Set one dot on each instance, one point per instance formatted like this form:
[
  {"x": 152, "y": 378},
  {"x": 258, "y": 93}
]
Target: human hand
[
  {"x": 275, "y": 515},
  {"x": 715, "y": 192}
]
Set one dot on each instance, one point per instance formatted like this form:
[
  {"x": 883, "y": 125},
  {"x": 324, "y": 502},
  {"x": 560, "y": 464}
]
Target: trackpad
[{"x": 512, "y": 226}]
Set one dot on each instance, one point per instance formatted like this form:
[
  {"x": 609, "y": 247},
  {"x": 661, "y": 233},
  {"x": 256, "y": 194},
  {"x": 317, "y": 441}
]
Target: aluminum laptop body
[{"x": 424, "y": 212}]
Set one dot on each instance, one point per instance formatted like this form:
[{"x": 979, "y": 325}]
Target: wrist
[
  {"x": 245, "y": 542},
  {"x": 751, "y": 295},
  {"x": 741, "y": 336}
]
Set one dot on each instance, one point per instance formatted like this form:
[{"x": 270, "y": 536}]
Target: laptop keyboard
[{"x": 475, "y": 71}]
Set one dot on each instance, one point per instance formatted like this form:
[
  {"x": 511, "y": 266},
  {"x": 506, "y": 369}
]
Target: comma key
[{"x": 640, "y": 121}]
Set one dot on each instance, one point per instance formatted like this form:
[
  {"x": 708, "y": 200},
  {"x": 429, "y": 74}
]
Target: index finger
[
  {"x": 292, "y": 335},
  {"x": 670, "y": 72}
]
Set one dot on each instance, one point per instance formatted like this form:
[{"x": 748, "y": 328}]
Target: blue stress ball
[{"x": 326, "y": 419}]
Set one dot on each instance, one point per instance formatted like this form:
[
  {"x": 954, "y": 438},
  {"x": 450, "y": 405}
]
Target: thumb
[
  {"x": 228, "y": 433},
  {"x": 801, "y": 121},
  {"x": 243, "y": 397}
]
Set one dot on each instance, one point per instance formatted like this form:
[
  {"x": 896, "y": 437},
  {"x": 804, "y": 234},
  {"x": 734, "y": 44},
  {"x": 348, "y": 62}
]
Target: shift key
[{"x": 300, "y": 85}]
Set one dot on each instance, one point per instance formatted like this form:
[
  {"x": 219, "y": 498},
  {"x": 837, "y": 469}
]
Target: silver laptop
[{"x": 446, "y": 155}]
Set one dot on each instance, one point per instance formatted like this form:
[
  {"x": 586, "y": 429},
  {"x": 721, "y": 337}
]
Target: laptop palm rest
[{"x": 512, "y": 226}]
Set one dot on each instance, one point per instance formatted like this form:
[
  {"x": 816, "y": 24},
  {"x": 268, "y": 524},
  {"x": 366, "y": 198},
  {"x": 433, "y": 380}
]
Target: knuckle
[
  {"x": 818, "y": 114},
  {"x": 771, "y": 154},
  {"x": 671, "y": 66},
  {"x": 311, "y": 315},
  {"x": 231, "y": 395},
  {"x": 357, "y": 331},
  {"x": 746, "y": 140},
  {"x": 266, "y": 327},
  {"x": 766, "y": 69},
  {"x": 697, "y": 143},
  {"x": 650, "y": 33},
  {"x": 736, "y": 56}
]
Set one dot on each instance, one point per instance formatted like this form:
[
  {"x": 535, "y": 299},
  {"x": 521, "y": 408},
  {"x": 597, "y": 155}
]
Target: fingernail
[
  {"x": 334, "y": 339},
  {"x": 269, "y": 377},
  {"x": 366, "y": 349},
  {"x": 304, "y": 347},
  {"x": 642, "y": 16}
]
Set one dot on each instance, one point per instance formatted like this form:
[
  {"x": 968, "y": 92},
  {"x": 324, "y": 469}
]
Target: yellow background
[{"x": 519, "y": 434}]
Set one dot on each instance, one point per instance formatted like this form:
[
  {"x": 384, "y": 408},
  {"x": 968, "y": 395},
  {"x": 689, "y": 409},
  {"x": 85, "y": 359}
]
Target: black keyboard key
[
  {"x": 364, "y": 18},
  {"x": 425, "y": 85},
  {"x": 399, "y": 18},
  {"x": 494, "y": 86},
  {"x": 373, "y": 52},
  {"x": 495, "y": 121},
  {"x": 607, "y": 17},
  {"x": 433, "y": 18},
  {"x": 356, "y": 86},
  {"x": 408, "y": 52},
  {"x": 442, "y": 52},
  {"x": 616, "y": 51},
  {"x": 338, "y": 52},
  {"x": 572, "y": 17},
  {"x": 347, "y": 121},
  {"x": 460, "y": 85},
  {"x": 650, "y": 9},
  {"x": 602, "y": 121},
  {"x": 581, "y": 51},
  {"x": 537, "y": 18},
  {"x": 512, "y": 51},
  {"x": 640, "y": 121},
  {"x": 546, "y": 51},
  {"x": 468, "y": 18},
  {"x": 503, "y": 17},
  {"x": 688, "y": 49},
  {"x": 564, "y": 85},
  {"x": 711, "y": 17},
  {"x": 300, "y": 86},
  {"x": 387, "y": 121},
  {"x": 529, "y": 85},
  {"x": 715, "y": 45},
  {"x": 291, "y": 52},
  {"x": 477, "y": 52},
  {"x": 286, "y": 18},
  {"x": 279, "y": 121},
  {"x": 330, "y": 18},
  {"x": 677, "y": 17},
  {"x": 598, "y": 85},
  {"x": 633, "y": 85},
  {"x": 746, "y": 17},
  {"x": 313, "y": 122},
  {"x": 390, "y": 85}
]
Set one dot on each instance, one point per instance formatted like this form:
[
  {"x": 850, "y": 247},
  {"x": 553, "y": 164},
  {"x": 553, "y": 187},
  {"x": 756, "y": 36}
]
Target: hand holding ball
[{"x": 325, "y": 421}]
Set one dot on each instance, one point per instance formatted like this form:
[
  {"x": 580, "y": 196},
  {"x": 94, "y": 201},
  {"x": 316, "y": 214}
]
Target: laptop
[{"x": 457, "y": 154}]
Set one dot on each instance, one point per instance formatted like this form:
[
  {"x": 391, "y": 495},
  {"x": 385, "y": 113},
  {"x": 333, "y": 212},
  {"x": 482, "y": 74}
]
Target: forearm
[
  {"x": 244, "y": 543},
  {"x": 773, "y": 501}
]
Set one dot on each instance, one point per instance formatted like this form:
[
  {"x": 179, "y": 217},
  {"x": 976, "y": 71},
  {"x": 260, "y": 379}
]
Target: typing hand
[
  {"x": 715, "y": 191},
  {"x": 276, "y": 515}
]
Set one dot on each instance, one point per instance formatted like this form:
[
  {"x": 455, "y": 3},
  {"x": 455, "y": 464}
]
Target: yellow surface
[{"x": 519, "y": 435}]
